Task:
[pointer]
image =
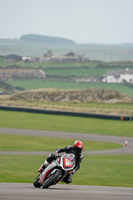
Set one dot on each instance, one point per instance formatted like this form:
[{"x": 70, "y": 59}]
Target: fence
[{"x": 66, "y": 113}]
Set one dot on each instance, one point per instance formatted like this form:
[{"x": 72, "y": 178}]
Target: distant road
[{"x": 94, "y": 137}]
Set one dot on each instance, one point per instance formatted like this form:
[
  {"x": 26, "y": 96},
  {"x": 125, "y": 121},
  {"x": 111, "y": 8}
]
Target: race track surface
[{"x": 26, "y": 191}]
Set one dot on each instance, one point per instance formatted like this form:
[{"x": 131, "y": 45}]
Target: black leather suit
[{"x": 76, "y": 151}]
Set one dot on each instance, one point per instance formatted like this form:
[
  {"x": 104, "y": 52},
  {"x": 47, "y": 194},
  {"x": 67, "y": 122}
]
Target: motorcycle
[{"x": 55, "y": 171}]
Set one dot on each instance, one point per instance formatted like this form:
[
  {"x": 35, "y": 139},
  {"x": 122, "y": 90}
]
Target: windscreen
[{"x": 71, "y": 157}]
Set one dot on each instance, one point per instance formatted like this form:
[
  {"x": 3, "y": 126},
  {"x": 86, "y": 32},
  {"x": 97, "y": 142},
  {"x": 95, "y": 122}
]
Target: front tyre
[
  {"x": 52, "y": 179},
  {"x": 36, "y": 182}
]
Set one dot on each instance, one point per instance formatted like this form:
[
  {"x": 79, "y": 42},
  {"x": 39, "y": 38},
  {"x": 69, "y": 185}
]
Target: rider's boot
[{"x": 67, "y": 179}]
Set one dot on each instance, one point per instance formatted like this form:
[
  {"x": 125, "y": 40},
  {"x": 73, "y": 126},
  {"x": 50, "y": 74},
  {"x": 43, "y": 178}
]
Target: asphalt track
[{"x": 26, "y": 191}]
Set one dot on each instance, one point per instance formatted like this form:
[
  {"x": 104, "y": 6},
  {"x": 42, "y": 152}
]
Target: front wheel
[
  {"x": 36, "y": 182},
  {"x": 51, "y": 180}
]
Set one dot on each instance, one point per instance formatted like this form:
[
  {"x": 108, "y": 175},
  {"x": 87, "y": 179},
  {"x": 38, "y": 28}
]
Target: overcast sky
[{"x": 84, "y": 21}]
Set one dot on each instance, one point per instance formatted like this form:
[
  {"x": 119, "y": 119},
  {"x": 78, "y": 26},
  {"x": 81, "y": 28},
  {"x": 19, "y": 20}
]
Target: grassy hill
[{"x": 46, "y": 40}]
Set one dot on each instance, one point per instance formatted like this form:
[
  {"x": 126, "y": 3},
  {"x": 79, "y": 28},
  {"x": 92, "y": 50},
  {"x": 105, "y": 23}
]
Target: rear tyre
[
  {"x": 36, "y": 183},
  {"x": 52, "y": 179}
]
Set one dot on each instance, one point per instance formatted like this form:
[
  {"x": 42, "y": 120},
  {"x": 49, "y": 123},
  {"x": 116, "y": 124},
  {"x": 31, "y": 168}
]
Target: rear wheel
[{"x": 52, "y": 179}]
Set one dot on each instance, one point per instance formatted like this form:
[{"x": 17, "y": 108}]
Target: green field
[
  {"x": 95, "y": 170},
  {"x": 33, "y": 143},
  {"x": 24, "y": 120},
  {"x": 76, "y": 72},
  {"x": 115, "y": 170},
  {"x": 68, "y": 70},
  {"x": 61, "y": 72}
]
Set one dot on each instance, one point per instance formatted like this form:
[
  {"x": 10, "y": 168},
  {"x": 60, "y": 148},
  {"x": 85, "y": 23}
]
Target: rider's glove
[
  {"x": 57, "y": 151},
  {"x": 40, "y": 169},
  {"x": 54, "y": 155}
]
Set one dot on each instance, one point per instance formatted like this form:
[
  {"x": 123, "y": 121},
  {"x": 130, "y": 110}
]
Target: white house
[
  {"x": 26, "y": 58},
  {"x": 119, "y": 76}
]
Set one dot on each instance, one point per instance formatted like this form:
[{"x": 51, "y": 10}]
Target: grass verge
[
  {"x": 24, "y": 120},
  {"x": 33, "y": 143},
  {"x": 102, "y": 170},
  {"x": 121, "y": 109}
]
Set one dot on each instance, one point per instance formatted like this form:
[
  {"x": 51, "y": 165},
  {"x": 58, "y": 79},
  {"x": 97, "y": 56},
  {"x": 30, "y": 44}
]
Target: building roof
[{"x": 119, "y": 72}]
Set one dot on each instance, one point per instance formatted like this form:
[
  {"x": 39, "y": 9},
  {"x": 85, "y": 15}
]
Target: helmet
[{"x": 78, "y": 144}]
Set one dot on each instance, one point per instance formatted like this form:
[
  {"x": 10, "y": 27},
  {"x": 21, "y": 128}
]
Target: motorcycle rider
[{"x": 76, "y": 149}]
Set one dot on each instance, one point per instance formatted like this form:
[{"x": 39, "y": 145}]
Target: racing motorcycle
[{"x": 55, "y": 171}]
